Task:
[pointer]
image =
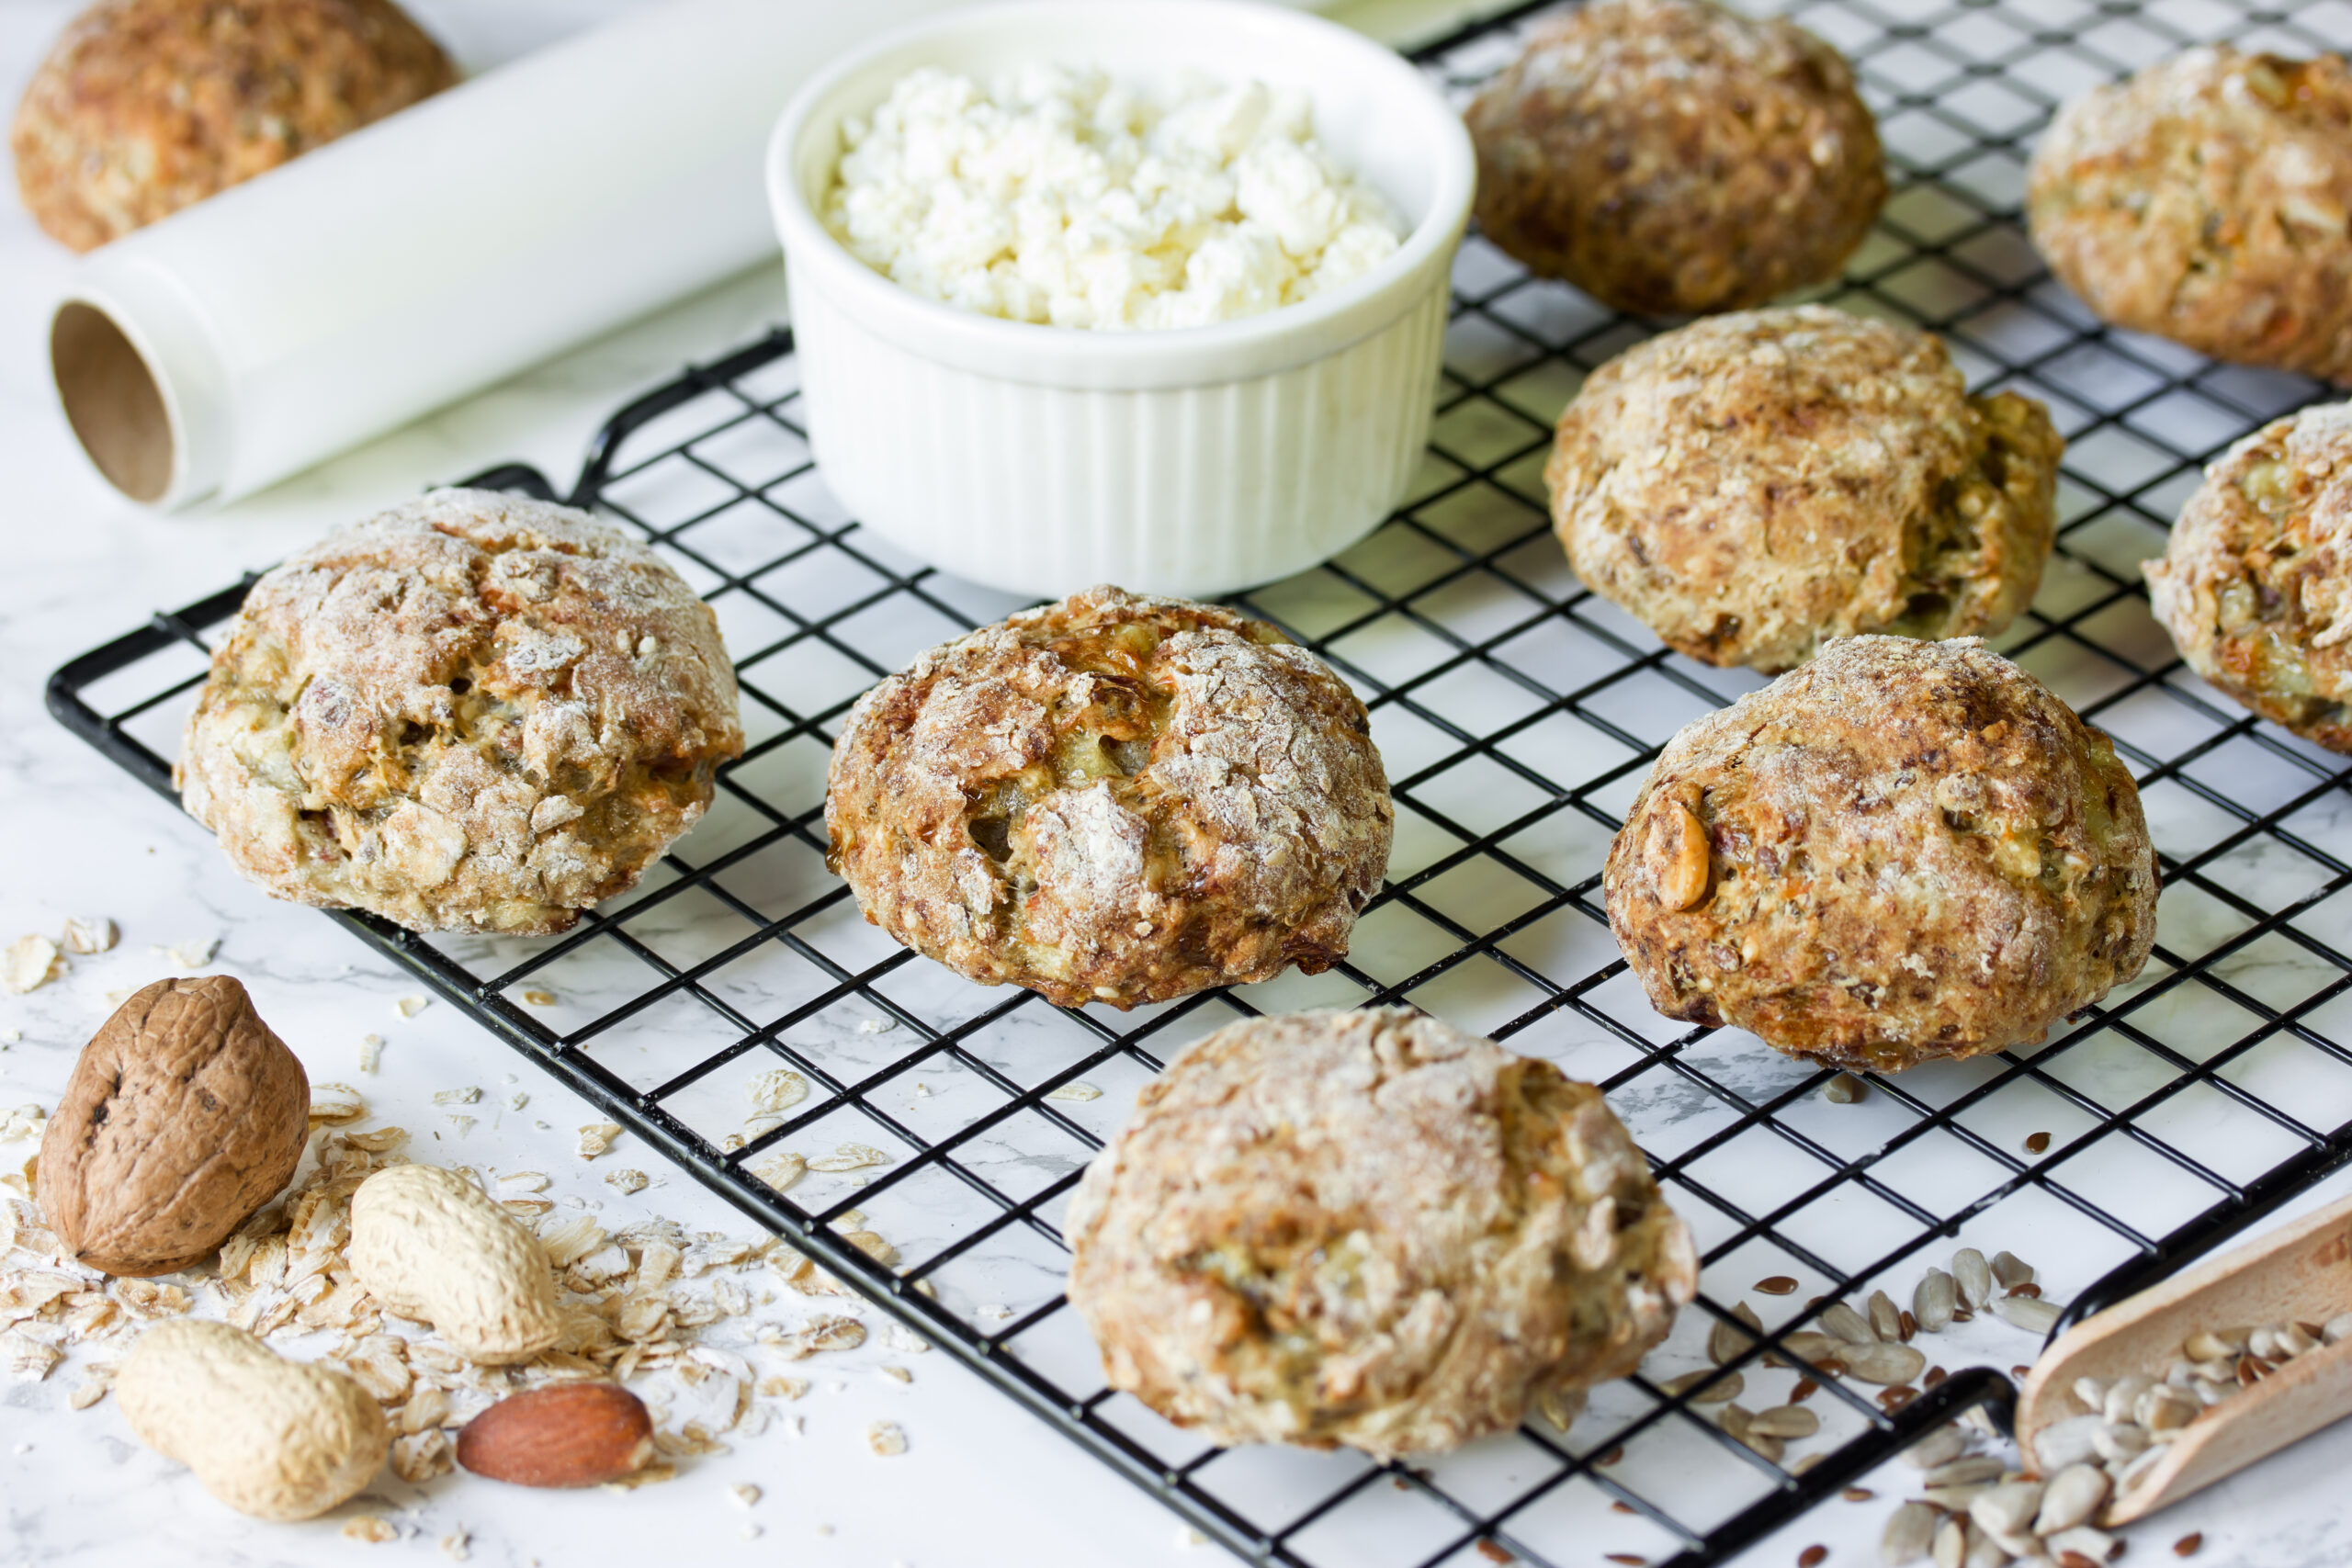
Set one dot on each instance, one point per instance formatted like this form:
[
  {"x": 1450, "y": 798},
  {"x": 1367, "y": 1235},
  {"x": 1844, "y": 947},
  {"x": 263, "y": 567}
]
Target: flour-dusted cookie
[
  {"x": 1672, "y": 156},
  {"x": 471, "y": 712},
  {"x": 2256, "y": 583},
  {"x": 144, "y": 107},
  {"x": 2209, "y": 200},
  {"x": 1113, "y": 798},
  {"x": 1370, "y": 1229},
  {"x": 1902, "y": 851},
  {"x": 1753, "y": 484}
]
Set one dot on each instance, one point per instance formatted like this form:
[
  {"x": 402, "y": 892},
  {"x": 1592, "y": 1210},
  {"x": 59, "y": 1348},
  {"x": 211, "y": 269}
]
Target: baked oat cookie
[
  {"x": 144, "y": 107},
  {"x": 1674, "y": 157},
  {"x": 2208, "y": 199},
  {"x": 1113, "y": 798},
  {"x": 1753, "y": 484},
  {"x": 1370, "y": 1229},
  {"x": 1902, "y": 851},
  {"x": 471, "y": 712},
  {"x": 2255, "y": 584}
]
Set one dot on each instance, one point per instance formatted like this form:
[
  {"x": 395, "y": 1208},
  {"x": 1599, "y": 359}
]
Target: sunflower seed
[
  {"x": 1984, "y": 1552},
  {"x": 1910, "y": 1530},
  {"x": 2210, "y": 1393},
  {"x": 1933, "y": 1300},
  {"x": 2072, "y": 1496},
  {"x": 2007, "y": 1509},
  {"x": 2119, "y": 1445},
  {"x": 1886, "y": 1319},
  {"x": 2297, "y": 1340},
  {"x": 2096, "y": 1545},
  {"x": 1942, "y": 1446},
  {"x": 2028, "y": 1312},
  {"x": 2091, "y": 1392},
  {"x": 1786, "y": 1421},
  {"x": 2012, "y": 1270},
  {"x": 2167, "y": 1409},
  {"x": 1727, "y": 1340},
  {"x": 2207, "y": 1345},
  {"x": 2124, "y": 1396},
  {"x": 2337, "y": 1327},
  {"x": 2138, "y": 1469},
  {"x": 1883, "y": 1363},
  {"x": 1974, "y": 1471},
  {"x": 1847, "y": 1325},
  {"x": 1809, "y": 1345},
  {"x": 1973, "y": 1275},
  {"x": 1956, "y": 1499},
  {"x": 1724, "y": 1385},
  {"x": 2066, "y": 1442},
  {"x": 1951, "y": 1543}
]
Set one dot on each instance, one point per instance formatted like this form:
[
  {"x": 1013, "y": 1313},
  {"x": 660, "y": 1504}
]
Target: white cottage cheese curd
[{"x": 1060, "y": 196}]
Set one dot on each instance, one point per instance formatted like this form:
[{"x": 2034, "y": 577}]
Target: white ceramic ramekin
[{"x": 1193, "y": 461}]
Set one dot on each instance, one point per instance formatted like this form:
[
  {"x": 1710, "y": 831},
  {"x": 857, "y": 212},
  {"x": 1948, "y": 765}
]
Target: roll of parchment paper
[{"x": 441, "y": 250}]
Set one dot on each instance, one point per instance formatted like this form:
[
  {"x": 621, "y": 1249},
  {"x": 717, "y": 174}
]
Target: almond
[{"x": 575, "y": 1434}]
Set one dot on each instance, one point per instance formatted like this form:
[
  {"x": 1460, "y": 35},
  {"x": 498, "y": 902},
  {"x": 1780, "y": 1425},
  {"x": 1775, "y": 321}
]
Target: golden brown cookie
[
  {"x": 2209, "y": 200},
  {"x": 1673, "y": 157},
  {"x": 1902, "y": 851},
  {"x": 1753, "y": 484},
  {"x": 1113, "y": 798},
  {"x": 471, "y": 712},
  {"x": 2256, "y": 583},
  {"x": 144, "y": 107},
  {"x": 1369, "y": 1228}
]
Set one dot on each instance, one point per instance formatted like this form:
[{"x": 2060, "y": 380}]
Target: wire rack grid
[{"x": 1517, "y": 714}]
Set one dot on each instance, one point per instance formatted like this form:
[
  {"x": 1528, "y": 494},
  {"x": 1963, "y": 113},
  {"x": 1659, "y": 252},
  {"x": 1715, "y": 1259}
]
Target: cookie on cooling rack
[
  {"x": 1369, "y": 1229},
  {"x": 2208, "y": 199},
  {"x": 1902, "y": 851},
  {"x": 1113, "y": 798},
  {"x": 2256, "y": 583},
  {"x": 1753, "y": 484},
  {"x": 144, "y": 107},
  {"x": 471, "y": 712},
  {"x": 1673, "y": 157}
]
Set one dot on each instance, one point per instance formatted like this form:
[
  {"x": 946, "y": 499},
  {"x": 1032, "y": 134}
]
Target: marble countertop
[{"x": 981, "y": 1484}]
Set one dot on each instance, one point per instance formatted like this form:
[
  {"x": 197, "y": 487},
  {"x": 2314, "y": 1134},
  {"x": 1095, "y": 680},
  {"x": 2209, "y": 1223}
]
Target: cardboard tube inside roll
[{"x": 112, "y": 401}]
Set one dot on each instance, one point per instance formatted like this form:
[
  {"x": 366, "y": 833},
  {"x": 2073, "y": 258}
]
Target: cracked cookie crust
[
  {"x": 1113, "y": 798},
  {"x": 471, "y": 712}
]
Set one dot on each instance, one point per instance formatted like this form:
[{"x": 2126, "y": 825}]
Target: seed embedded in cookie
[
  {"x": 1752, "y": 485},
  {"x": 1673, "y": 157},
  {"x": 1369, "y": 1229},
  {"x": 1113, "y": 798},
  {"x": 1916, "y": 851},
  {"x": 2208, "y": 199},
  {"x": 2255, "y": 582},
  {"x": 473, "y": 711}
]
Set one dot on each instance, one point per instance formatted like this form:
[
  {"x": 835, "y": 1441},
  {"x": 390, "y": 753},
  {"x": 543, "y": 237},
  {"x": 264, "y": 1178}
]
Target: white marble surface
[{"x": 982, "y": 1484}]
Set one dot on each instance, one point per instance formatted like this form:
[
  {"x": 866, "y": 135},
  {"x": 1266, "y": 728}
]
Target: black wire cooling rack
[{"x": 1517, "y": 714}]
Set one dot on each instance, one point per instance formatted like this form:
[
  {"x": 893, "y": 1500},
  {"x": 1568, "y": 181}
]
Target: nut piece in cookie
[
  {"x": 1673, "y": 157},
  {"x": 1753, "y": 484},
  {"x": 183, "y": 1116},
  {"x": 1915, "y": 851},
  {"x": 144, "y": 107},
  {"x": 2208, "y": 199},
  {"x": 471, "y": 712},
  {"x": 2256, "y": 583},
  {"x": 1371, "y": 1229},
  {"x": 1113, "y": 798}
]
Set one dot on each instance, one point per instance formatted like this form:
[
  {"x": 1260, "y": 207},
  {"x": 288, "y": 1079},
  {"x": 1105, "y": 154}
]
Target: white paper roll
[{"x": 441, "y": 250}]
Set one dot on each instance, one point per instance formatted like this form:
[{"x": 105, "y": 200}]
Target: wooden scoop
[{"x": 2301, "y": 1272}]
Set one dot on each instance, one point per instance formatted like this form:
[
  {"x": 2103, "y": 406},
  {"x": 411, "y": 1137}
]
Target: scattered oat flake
[
  {"x": 25, "y": 1121},
  {"x": 30, "y": 962},
  {"x": 457, "y": 1546},
  {"x": 886, "y": 1439},
  {"x": 470, "y": 1095},
  {"x": 516, "y": 1101},
  {"x": 539, "y": 998},
  {"x": 463, "y": 1124},
  {"x": 117, "y": 998},
  {"x": 10, "y": 1037},
  {"x": 409, "y": 1007},
  {"x": 778, "y": 1088},
  {"x": 367, "y": 1526},
  {"x": 193, "y": 954},
  {"x": 898, "y": 1374},
  {"x": 1078, "y": 1091},
  {"x": 371, "y": 1053},
  {"x": 744, "y": 1494},
  {"x": 90, "y": 933},
  {"x": 626, "y": 1181},
  {"x": 878, "y": 1026},
  {"x": 334, "y": 1104},
  {"x": 597, "y": 1137},
  {"x": 850, "y": 1157},
  {"x": 377, "y": 1141}
]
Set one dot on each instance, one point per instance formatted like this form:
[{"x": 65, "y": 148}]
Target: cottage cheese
[{"x": 1063, "y": 196}]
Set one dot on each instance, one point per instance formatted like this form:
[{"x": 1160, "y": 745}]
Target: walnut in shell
[
  {"x": 2255, "y": 582},
  {"x": 1902, "y": 851},
  {"x": 1115, "y": 799},
  {"x": 183, "y": 1116},
  {"x": 1753, "y": 484},
  {"x": 472, "y": 712},
  {"x": 1370, "y": 1229}
]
